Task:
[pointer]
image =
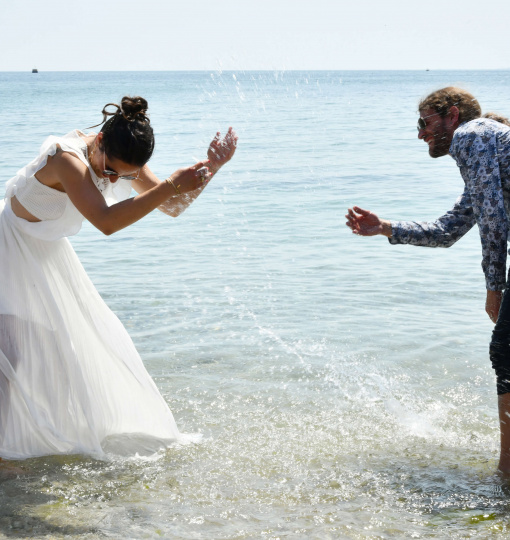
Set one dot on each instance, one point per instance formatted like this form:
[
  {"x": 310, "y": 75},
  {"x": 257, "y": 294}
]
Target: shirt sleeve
[
  {"x": 443, "y": 232},
  {"x": 476, "y": 154}
]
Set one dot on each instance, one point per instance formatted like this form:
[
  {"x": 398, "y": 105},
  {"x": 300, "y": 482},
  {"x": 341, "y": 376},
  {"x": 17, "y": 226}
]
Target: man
[{"x": 451, "y": 123}]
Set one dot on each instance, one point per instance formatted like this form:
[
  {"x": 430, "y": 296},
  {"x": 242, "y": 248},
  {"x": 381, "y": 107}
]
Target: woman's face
[
  {"x": 109, "y": 167},
  {"x": 113, "y": 169}
]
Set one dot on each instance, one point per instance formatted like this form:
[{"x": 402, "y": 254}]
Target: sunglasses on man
[{"x": 422, "y": 124}]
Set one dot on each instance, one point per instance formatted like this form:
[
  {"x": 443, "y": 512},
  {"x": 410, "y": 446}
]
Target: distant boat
[{"x": 35, "y": 70}]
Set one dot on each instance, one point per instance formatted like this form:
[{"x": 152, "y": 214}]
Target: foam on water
[{"x": 341, "y": 385}]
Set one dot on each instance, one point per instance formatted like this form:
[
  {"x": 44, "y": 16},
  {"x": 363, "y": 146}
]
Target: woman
[{"x": 70, "y": 377}]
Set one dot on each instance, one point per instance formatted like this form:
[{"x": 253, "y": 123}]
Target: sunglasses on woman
[{"x": 108, "y": 172}]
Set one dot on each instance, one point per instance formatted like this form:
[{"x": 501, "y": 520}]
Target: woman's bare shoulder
[{"x": 61, "y": 168}]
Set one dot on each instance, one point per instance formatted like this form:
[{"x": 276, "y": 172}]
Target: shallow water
[{"x": 342, "y": 385}]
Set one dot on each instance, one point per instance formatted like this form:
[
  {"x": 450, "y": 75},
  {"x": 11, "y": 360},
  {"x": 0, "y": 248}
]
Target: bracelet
[{"x": 171, "y": 182}]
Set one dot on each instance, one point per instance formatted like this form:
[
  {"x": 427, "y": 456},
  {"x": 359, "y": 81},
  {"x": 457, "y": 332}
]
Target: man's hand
[
  {"x": 366, "y": 223},
  {"x": 493, "y": 303}
]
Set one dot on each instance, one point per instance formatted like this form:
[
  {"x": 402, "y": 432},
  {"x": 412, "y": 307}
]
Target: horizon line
[{"x": 238, "y": 70}]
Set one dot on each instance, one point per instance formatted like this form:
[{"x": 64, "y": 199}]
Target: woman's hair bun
[
  {"x": 134, "y": 108},
  {"x": 127, "y": 133},
  {"x": 130, "y": 108}
]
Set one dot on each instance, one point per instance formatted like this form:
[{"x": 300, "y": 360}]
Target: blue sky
[{"x": 247, "y": 34}]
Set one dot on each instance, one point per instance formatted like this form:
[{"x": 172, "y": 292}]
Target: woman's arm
[
  {"x": 65, "y": 172},
  {"x": 220, "y": 152},
  {"x": 75, "y": 178},
  {"x": 176, "y": 203}
]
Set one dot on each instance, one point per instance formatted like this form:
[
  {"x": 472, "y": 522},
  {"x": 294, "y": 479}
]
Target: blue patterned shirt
[{"x": 481, "y": 149}]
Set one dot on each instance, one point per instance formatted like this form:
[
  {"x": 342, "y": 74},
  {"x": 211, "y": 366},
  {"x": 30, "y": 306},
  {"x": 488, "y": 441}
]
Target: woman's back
[{"x": 46, "y": 212}]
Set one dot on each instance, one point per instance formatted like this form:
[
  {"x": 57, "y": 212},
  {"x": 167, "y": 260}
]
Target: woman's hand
[
  {"x": 190, "y": 178},
  {"x": 492, "y": 304},
  {"x": 366, "y": 223},
  {"x": 221, "y": 150}
]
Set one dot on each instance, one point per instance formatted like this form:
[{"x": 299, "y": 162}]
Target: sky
[{"x": 128, "y": 35}]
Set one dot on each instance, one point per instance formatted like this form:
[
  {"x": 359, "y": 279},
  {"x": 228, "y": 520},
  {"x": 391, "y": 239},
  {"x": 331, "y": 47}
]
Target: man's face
[{"x": 437, "y": 133}]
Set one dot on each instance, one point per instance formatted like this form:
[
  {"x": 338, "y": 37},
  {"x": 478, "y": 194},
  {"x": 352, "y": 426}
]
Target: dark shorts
[{"x": 500, "y": 345}]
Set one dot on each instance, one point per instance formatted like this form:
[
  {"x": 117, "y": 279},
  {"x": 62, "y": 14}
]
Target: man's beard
[{"x": 441, "y": 143}]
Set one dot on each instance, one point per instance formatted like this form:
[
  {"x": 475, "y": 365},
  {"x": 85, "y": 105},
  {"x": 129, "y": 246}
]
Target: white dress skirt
[{"x": 71, "y": 380}]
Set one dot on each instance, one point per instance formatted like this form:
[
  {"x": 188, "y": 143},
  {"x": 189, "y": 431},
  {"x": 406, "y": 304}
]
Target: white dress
[{"x": 71, "y": 380}]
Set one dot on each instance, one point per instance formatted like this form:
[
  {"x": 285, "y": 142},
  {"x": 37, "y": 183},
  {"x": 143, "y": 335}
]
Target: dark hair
[
  {"x": 498, "y": 117},
  {"x": 128, "y": 134},
  {"x": 444, "y": 99}
]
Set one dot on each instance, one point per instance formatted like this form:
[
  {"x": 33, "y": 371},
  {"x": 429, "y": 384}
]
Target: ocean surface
[{"x": 342, "y": 385}]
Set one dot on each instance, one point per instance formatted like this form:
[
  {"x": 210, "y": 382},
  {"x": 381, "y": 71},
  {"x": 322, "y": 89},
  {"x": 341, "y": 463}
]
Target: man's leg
[
  {"x": 500, "y": 358},
  {"x": 504, "y": 423}
]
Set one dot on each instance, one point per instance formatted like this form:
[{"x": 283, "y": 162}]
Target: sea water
[{"x": 342, "y": 385}]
